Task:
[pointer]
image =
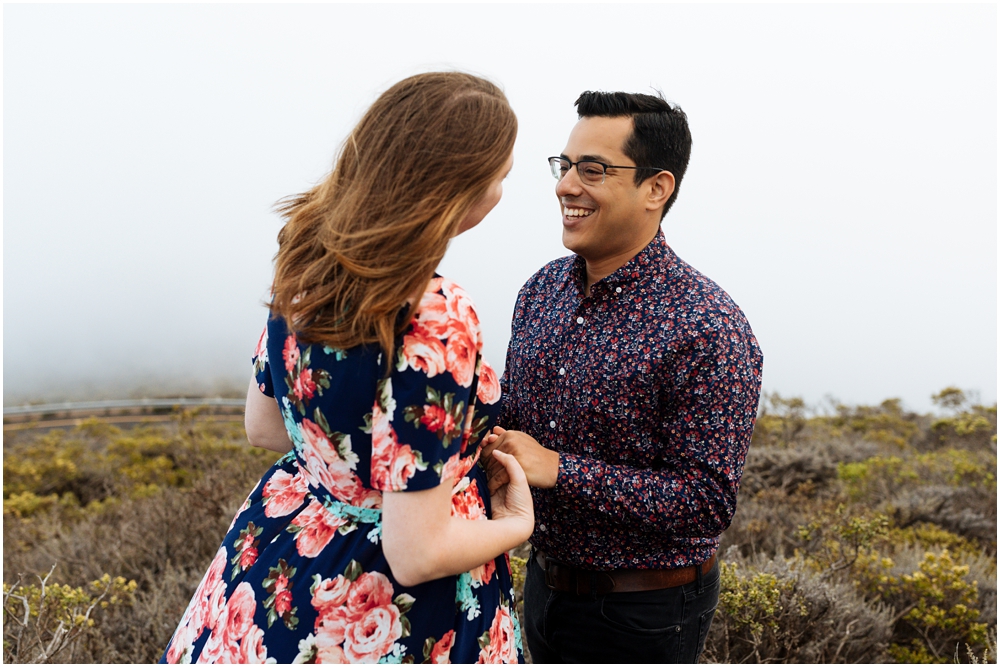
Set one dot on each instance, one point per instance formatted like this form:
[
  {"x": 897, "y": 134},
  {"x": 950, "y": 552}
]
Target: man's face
[{"x": 604, "y": 220}]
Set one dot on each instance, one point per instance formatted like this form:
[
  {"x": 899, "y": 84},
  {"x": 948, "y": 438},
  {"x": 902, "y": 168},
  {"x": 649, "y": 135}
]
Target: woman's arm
[
  {"x": 264, "y": 425},
  {"x": 422, "y": 541}
]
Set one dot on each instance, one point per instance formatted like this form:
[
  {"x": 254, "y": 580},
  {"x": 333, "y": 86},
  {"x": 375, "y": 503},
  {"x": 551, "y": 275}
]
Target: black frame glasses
[{"x": 592, "y": 171}]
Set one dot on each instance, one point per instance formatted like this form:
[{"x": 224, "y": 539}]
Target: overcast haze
[{"x": 842, "y": 186}]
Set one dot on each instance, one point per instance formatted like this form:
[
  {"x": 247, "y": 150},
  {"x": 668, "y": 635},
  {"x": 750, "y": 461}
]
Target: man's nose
[{"x": 569, "y": 185}]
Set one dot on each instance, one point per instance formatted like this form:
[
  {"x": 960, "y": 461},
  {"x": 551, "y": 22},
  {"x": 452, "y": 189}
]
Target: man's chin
[{"x": 572, "y": 241}]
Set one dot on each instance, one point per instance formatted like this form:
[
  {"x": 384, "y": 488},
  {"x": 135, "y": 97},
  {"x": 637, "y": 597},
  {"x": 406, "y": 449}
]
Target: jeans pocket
[{"x": 641, "y": 614}]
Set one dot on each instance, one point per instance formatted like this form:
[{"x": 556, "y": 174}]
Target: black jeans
[{"x": 668, "y": 625}]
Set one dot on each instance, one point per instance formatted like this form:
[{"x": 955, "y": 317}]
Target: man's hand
[{"x": 540, "y": 465}]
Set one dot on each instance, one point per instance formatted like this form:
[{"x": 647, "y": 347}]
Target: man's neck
[{"x": 605, "y": 266}]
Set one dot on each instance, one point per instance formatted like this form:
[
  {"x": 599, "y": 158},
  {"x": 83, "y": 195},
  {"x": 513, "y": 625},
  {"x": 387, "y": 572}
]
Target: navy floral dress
[{"x": 301, "y": 576}]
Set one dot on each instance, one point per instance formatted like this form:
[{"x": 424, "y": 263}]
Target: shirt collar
[{"x": 656, "y": 258}]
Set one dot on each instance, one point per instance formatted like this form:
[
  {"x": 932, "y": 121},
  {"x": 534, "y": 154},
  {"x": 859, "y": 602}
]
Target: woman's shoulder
[
  {"x": 444, "y": 335},
  {"x": 445, "y": 308}
]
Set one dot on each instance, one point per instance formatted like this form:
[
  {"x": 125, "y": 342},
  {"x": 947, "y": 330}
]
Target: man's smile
[{"x": 575, "y": 212}]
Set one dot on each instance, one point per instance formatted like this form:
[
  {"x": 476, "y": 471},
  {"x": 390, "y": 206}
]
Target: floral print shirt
[
  {"x": 301, "y": 576},
  {"x": 648, "y": 389}
]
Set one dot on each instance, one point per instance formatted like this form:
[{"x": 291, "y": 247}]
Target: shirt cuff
[{"x": 574, "y": 473}]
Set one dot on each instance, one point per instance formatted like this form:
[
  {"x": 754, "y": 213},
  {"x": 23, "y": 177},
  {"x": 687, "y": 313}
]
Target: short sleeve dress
[{"x": 301, "y": 576}]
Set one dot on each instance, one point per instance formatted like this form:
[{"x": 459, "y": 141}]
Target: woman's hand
[
  {"x": 540, "y": 464},
  {"x": 512, "y": 501},
  {"x": 422, "y": 539}
]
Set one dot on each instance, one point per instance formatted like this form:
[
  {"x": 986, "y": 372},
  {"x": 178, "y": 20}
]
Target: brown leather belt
[{"x": 568, "y": 579}]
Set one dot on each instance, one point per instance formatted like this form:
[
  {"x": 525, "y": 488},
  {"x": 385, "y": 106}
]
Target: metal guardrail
[{"x": 122, "y": 404}]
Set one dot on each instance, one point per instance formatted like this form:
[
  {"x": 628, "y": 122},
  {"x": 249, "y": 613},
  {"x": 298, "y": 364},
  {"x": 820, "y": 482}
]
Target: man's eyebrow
[{"x": 592, "y": 158}]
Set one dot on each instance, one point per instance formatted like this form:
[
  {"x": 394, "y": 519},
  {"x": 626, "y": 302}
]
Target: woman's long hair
[{"x": 359, "y": 245}]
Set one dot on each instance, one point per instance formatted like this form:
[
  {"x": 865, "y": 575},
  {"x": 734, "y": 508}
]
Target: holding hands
[
  {"x": 540, "y": 465},
  {"x": 511, "y": 500}
]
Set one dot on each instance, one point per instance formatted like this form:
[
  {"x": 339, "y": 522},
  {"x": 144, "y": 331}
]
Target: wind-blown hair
[
  {"x": 660, "y": 136},
  {"x": 364, "y": 242}
]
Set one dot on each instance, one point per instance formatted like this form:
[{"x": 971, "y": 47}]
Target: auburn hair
[{"x": 365, "y": 242}]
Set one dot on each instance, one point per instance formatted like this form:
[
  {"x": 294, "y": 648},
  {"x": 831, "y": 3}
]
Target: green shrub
[
  {"x": 782, "y": 612},
  {"x": 48, "y": 622}
]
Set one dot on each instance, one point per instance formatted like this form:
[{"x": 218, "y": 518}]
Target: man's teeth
[{"x": 577, "y": 212}]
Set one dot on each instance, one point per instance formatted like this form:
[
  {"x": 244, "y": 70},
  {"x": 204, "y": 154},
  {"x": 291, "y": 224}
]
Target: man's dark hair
[{"x": 660, "y": 136}]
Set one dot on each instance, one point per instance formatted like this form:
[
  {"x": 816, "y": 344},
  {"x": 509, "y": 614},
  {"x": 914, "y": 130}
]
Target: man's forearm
[{"x": 700, "y": 503}]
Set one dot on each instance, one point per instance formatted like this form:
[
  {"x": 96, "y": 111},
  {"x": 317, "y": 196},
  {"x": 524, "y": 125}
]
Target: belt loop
[
  {"x": 699, "y": 578},
  {"x": 593, "y": 585}
]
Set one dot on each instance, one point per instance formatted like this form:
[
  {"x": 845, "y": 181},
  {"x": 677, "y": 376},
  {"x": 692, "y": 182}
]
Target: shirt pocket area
[{"x": 620, "y": 399}]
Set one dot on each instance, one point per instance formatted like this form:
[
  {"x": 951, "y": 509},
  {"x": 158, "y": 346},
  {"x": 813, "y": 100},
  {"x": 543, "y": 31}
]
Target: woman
[{"x": 369, "y": 540}]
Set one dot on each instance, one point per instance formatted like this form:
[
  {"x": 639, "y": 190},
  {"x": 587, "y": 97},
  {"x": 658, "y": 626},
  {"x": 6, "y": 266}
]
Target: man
[{"x": 630, "y": 394}]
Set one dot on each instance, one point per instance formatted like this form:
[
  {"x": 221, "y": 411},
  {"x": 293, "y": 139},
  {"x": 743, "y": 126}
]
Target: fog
[{"x": 842, "y": 186}]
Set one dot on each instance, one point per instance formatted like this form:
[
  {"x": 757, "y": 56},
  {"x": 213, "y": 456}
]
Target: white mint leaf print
[
  {"x": 307, "y": 650},
  {"x": 346, "y": 451},
  {"x": 336, "y": 352},
  {"x": 294, "y": 432},
  {"x": 353, "y": 570},
  {"x": 404, "y": 601},
  {"x": 395, "y": 657},
  {"x": 465, "y": 598},
  {"x": 386, "y": 402}
]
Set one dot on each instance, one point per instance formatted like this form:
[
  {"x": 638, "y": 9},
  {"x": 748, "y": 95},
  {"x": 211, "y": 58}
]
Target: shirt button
[
  {"x": 562, "y": 371},
  {"x": 579, "y": 320},
  {"x": 618, "y": 290},
  {"x": 541, "y": 526},
  {"x": 552, "y": 424}
]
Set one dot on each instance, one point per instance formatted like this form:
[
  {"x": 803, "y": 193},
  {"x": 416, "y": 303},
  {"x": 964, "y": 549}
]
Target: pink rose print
[
  {"x": 460, "y": 355},
  {"x": 370, "y": 590},
  {"x": 330, "y": 594},
  {"x": 423, "y": 351},
  {"x": 466, "y": 501},
  {"x": 232, "y": 625},
  {"x": 282, "y": 602},
  {"x": 456, "y": 467},
  {"x": 488, "y": 392},
  {"x": 460, "y": 307},
  {"x": 392, "y": 464},
  {"x": 290, "y": 353},
  {"x": 441, "y": 653},
  {"x": 432, "y": 313},
  {"x": 283, "y": 494},
  {"x": 248, "y": 557},
  {"x": 372, "y": 636},
  {"x": 303, "y": 387},
  {"x": 315, "y": 526},
  {"x": 501, "y": 648},
  {"x": 435, "y": 418},
  {"x": 182, "y": 640},
  {"x": 331, "y": 628},
  {"x": 260, "y": 353},
  {"x": 199, "y": 611},
  {"x": 328, "y": 653},
  {"x": 327, "y": 470},
  {"x": 252, "y": 650},
  {"x": 483, "y": 573}
]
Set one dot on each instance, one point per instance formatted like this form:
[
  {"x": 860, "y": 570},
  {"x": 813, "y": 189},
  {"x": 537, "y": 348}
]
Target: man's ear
[{"x": 661, "y": 187}]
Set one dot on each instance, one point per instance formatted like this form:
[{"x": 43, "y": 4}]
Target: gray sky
[{"x": 842, "y": 185}]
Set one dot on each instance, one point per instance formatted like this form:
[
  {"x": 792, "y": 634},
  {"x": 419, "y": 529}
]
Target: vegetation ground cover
[{"x": 863, "y": 534}]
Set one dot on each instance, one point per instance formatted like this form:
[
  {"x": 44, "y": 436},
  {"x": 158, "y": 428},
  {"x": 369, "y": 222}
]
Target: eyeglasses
[{"x": 591, "y": 172}]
